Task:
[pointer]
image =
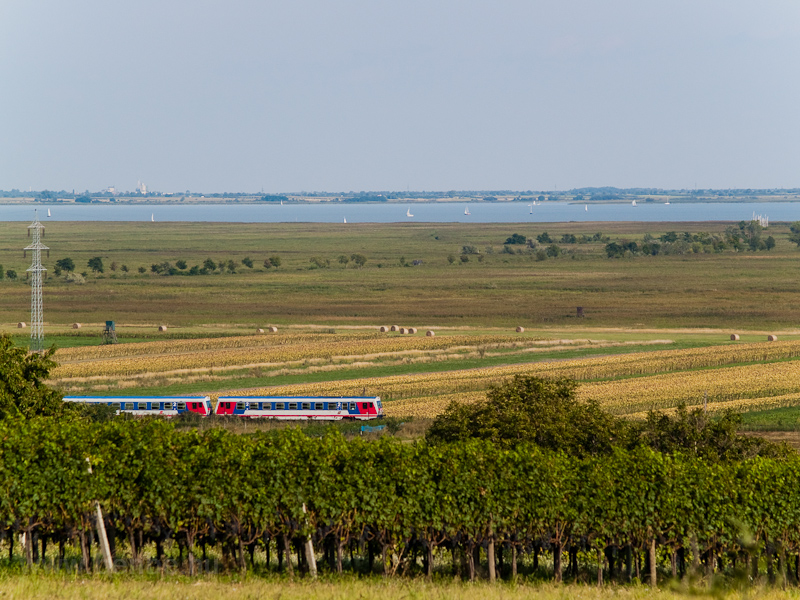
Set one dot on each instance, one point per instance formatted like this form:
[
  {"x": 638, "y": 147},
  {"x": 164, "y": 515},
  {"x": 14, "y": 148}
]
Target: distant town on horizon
[{"x": 587, "y": 194}]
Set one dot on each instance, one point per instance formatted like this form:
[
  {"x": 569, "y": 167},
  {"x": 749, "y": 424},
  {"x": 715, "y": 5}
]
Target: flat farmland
[{"x": 754, "y": 291}]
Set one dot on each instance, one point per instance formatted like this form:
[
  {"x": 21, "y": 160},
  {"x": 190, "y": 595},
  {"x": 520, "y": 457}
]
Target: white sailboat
[
  {"x": 345, "y": 219},
  {"x": 633, "y": 203},
  {"x": 530, "y": 206},
  {"x": 152, "y": 217},
  {"x": 586, "y": 207},
  {"x": 667, "y": 202},
  {"x": 48, "y": 212},
  {"x": 466, "y": 210},
  {"x": 281, "y": 202},
  {"x": 408, "y": 212}
]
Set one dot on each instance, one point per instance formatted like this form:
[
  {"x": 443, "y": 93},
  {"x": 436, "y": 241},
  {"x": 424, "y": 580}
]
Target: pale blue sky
[{"x": 374, "y": 95}]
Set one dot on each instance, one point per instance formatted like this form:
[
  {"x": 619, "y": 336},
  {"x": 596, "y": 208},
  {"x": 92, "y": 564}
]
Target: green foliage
[
  {"x": 544, "y": 238},
  {"x": 532, "y": 410},
  {"x": 359, "y": 259},
  {"x": 696, "y": 434},
  {"x": 23, "y": 393},
  {"x": 516, "y": 238},
  {"x": 272, "y": 261},
  {"x": 11, "y": 274},
  {"x": 95, "y": 264},
  {"x": 247, "y": 262},
  {"x": 319, "y": 262},
  {"x": 66, "y": 264},
  {"x": 181, "y": 264}
]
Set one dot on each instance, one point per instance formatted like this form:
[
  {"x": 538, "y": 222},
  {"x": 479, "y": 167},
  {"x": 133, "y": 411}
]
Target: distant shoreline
[{"x": 156, "y": 201}]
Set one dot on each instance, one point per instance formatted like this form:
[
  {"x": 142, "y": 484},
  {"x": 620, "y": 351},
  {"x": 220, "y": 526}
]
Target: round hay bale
[
  {"x": 394, "y": 328},
  {"x": 76, "y": 325},
  {"x": 412, "y": 330},
  {"x": 21, "y": 325},
  {"x": 162, "y": 327},
  {"x": 734, "y": 337},
  {"x": 259, "y": 330},
  {"x": 403, "y": 330},
  {"x": 384, "y": 329},
  {"x": 772, "y": 338},
  {"x": 430, "y": 333},
  {"x": 273, "y": 329},
  {"x": 520, "y": 329}
]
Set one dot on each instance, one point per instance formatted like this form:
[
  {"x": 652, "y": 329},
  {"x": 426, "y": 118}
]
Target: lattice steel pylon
[{"x": 36, "y": 232}]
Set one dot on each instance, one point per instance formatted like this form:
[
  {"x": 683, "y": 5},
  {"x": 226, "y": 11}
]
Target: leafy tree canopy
[
  {"x": 532, "y": 409},
  {"x": 23, "y": 392},
  {"x": 695, "y": 433},
  {"x": 547, "y": 413}
]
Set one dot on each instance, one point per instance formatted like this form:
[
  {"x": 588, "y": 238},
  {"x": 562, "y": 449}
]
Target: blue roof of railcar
[{"x": 151, "y": 398}]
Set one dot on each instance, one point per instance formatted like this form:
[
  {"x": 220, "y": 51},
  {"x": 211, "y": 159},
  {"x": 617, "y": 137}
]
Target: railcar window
[
  {"x": 365, "y": 405},
  {"x": 279, "y": 406},
  {"x": 292, "y": 405},
  {"x": 129, "y": 406},
  {"x": 240, "y": 406},
  {"x": 181, "y": 405},
  {"x": 306, "y": 405},
  {"x": 155, "y": 405},
  {"x": 352, "y": 406}
]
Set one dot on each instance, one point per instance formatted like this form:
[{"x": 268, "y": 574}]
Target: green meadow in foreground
[{"x": 465, "y": 276}]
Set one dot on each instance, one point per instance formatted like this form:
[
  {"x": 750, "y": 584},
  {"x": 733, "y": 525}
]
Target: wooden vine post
[
  {"x": 310, "y": 558},
  {"x": 490, "y": 554},
  {"x": 101, "y": 532}
]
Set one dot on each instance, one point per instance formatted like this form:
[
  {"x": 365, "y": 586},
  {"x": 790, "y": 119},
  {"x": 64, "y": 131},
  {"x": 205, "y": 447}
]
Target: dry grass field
[{"x": 212, "y": 588}]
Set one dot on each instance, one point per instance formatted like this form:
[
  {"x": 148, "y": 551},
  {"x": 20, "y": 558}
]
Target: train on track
[{"x": 290, "y": 408}]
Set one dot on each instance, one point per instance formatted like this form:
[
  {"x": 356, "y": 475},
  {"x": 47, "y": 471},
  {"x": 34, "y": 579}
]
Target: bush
[
  {"x": 553, "y": 251},
  {"x": 75, "y": 278},
  {"x": 272, "y": 261},
  {"x": 66, "y": 264},
  {"x": 11, "y": 274},
  {"x": 319, "y": 263},
  {"x": 247, "y": 262},
  {"x": 95, "y": 264},
  {"x": 359, "y": 259},
  {"x": 544, "y": 238},
  {"x": 516, "y": 238},
  {"x": 142, "y": 269},
  {"x": 181, "y": 264}
]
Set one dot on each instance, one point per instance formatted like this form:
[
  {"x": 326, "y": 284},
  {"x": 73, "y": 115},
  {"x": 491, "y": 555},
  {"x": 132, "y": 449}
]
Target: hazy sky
[{"x": 341, "y": 95}]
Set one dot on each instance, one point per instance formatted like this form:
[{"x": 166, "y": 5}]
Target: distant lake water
[{"x": 436, "y": 212}]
